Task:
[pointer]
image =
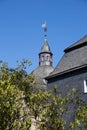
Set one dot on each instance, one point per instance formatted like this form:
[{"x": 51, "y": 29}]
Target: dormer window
[{"x": 85, "y": 86}]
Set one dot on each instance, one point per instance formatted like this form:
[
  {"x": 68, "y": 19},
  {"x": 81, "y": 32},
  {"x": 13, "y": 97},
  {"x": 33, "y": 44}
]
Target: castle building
[{"x": 71, "y": 72}]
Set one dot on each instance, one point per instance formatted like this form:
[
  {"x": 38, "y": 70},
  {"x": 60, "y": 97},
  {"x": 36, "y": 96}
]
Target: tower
[
  {"x": 45, "y": 56},
  {"x": 45, "y": 63}
]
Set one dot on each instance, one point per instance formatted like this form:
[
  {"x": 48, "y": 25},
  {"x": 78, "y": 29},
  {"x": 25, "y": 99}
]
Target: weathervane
[{"x": 45, "y": 29}]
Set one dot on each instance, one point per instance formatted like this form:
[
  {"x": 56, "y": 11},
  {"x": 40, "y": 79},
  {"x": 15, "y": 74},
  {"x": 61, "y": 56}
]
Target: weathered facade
[{"x": 71, "y": 72}]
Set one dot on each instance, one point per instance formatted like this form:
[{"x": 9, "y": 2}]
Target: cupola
[{"x": 45, "y": 56}]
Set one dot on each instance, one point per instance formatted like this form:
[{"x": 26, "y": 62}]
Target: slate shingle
[{"x": 75, "y": 56}]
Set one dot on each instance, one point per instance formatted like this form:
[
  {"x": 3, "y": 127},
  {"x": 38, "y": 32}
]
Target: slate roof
[
  {"x": 39, "y": 74},
  {"x": 80, "y": 43},
  {"x": 43, "y": 71},
  {"x": 75, "y": 57},
  {"x": 45, "y": 47}
]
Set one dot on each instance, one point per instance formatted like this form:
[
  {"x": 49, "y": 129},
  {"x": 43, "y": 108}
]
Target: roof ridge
[{"x": 76, "y": 44}]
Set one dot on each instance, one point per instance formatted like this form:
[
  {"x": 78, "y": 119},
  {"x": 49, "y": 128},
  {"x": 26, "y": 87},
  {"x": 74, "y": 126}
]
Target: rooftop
[
  {"x": 75, "y": 57},
  {"x": 45, "y": 47}
]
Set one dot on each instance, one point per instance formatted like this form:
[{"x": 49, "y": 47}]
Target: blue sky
[{"x": 21, "y": 35}]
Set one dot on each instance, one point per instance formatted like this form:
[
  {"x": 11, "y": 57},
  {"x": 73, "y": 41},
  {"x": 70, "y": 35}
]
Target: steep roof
[
  {"x": 79, "y": 43},
  {"x": 74, "y": 58},
  {"x": 45, "y": 47}
]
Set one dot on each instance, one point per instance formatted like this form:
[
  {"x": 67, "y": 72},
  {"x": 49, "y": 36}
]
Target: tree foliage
[
  {"x": 13, "y": 83},
  {"x": 20, "y": 102}
]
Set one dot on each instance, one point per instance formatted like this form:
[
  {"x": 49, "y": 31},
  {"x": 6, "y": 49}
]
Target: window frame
[{"x": 85, "y": 86}]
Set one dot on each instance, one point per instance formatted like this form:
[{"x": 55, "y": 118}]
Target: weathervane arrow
[{"x": 45, "y": 28}]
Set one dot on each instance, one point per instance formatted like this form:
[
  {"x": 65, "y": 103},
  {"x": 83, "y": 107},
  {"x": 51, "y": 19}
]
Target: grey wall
[
  {"x": 67, "y": 81},
  {"x": 71, "y": 80}
]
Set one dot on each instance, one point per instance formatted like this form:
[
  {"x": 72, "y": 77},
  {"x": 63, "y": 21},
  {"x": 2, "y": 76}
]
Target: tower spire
[{"x": 45, "y": 56}]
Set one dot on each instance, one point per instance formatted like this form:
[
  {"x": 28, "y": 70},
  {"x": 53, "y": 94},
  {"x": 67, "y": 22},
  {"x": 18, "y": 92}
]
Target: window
[
  {"x": 47, "y": 57},
  {"x": 85, "y": 86},
  {"x": 44, "y": 81},
  {"x": 42, "y": 57}
]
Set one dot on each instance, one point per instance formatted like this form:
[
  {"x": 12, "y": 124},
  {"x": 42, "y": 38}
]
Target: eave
[{"x": 52, "y": 76}]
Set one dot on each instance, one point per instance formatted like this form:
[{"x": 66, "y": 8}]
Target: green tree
[
  {"x": 80, "y": 111},
  {"x": 14, "y": 84},
  {"x": 20, "y": 102},
  {"x": 52, "y": 117},
  {"x": 48, "y": 109}
]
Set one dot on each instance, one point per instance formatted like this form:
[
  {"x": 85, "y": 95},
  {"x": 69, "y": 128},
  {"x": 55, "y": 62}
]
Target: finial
[{"x": 45, "y": 29}]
